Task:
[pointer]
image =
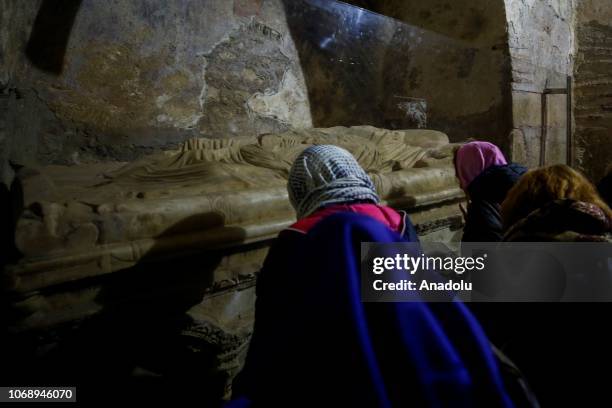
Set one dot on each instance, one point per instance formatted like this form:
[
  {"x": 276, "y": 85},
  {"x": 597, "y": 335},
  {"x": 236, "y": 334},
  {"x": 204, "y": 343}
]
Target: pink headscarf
[{"x": 475, "y": 157}]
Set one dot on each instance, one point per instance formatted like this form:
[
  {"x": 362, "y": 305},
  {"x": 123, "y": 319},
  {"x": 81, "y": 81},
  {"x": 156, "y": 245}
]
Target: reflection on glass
[{"x": 364, "y": 68}]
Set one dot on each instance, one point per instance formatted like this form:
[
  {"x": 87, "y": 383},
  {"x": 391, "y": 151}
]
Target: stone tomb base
[{"x": 146, "y": 270}]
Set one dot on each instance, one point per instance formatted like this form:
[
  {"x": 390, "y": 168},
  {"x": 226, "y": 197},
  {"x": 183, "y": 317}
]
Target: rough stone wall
[
  {"x": 541, "y": 41},
  {"x": 593, "y": 87},
  {"x": 140, "y": 75}
]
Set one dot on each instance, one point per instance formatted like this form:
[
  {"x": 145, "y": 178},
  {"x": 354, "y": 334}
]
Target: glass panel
[{"x": 361, "y": 67}]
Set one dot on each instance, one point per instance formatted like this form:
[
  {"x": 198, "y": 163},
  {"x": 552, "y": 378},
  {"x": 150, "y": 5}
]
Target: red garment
[{"x": 386, "y": 215}]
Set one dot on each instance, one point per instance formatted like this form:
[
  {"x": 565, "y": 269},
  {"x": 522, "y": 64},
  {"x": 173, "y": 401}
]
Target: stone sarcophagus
[{"x": 183, "y": 232}]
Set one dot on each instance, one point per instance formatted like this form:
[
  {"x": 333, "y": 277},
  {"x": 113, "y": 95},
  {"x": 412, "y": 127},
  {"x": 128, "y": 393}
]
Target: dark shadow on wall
[
  {"x": 46, "y": 47},
  {"x": 8, "y": 215},
  {"x": 141, "y": 345}
]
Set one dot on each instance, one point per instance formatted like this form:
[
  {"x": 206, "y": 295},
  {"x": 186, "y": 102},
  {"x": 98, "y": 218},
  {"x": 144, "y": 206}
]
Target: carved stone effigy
[
  {"x": 88, "y": 220},
  {"x": 182, "y": 233}
]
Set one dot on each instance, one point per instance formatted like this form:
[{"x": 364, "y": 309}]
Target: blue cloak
[{"x": 316, "y": 344}]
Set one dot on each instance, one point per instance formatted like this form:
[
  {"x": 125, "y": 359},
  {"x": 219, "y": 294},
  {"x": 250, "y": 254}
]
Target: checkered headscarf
[{"x": 325, "y": 174}]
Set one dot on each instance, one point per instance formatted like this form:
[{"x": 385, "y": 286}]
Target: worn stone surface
[
  {"x": 593, "y": 90},
  {"x": 540, "y": 35},
  {"x": 541, "y": 44},
  {"x": 142, "y": 75},
  {"x": 258, "y": 89},
  {"x": 91, "y": 220},
  {"x": 164, "y": 320},
  {"x": 147, "y": 269}
]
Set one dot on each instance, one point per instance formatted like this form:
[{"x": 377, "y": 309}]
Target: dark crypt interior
[{"x": 146, "y": 148}]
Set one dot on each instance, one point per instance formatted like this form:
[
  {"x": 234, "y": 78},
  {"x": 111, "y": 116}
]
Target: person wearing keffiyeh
[
  {"x": 315, "y": 343},
  {"x": 323, "y": 175},
  {"x": 326, "y": 179}
]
